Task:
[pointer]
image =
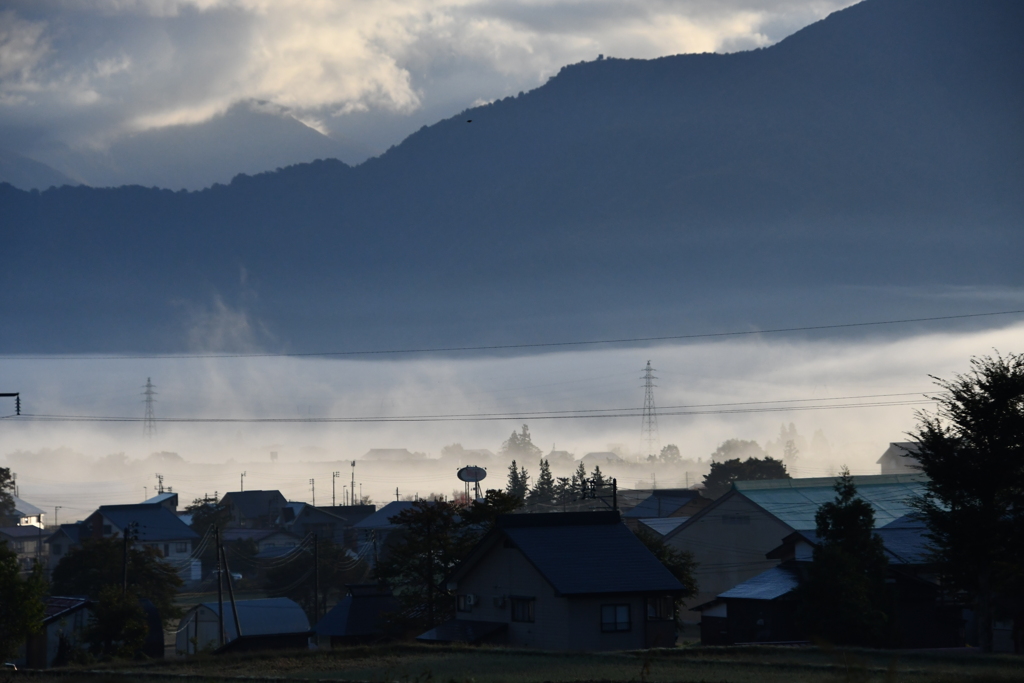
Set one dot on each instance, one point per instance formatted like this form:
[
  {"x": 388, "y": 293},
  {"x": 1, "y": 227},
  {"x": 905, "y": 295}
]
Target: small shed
[
  {"x": 64, "y": 622},
  {"x": 360, "y": 616},
  {"x": 270, "y": 618}
]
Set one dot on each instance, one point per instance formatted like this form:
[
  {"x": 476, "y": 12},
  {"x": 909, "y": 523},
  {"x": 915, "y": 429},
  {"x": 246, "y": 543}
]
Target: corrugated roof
[
  {"x": 156, "y": 523},
  {"x": 664, "y": 525},
  {"x": 380, "y": 518},
  {"x": 656, "y": 505},
  {"x": 768, "y": 585},
  {"x": 263, "y": 617},
  {"x": 579, "y": 558},
  {"x": 796, "y": 501},
  {"x": 25, "y": 509},
  {"x": 161, "y": 498},
  {"x": 905, "y": 540}
]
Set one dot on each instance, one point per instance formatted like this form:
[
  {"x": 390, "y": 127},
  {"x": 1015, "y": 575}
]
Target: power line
[
  {"x": 463, "y": 418},
  {"x": 501, "y": 347}
]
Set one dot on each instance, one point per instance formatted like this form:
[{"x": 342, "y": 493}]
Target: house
[
  {"x": 27, "y": 542},
  {"x": 730, "y": 538},
  {"x": 254, "y": 509},
  {"x": 25, "y": 514},
  {"x": 156, "y": 527},
  {"x": 266, "y": 623},
  {"x": 64, "y": 623},
  {"x": 665, "y": 503},
  {"x": 61, "y": 541},
  {"x": 352, "y": 514},
  {"x": 373, "y": 531},
  {"x": 168, "y": 499},
  {"x": 601, "y": 458},
  {"x": 268, "y": 542},
  {"x": 764, "y": 609},
  {"x": 563, "y": 581},
  {"x": 300, "y": 519},
  {"x": 899, "y": 458},
  {"x": 360, "y": 616}
]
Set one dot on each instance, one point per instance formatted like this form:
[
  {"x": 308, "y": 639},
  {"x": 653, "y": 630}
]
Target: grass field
[{"x": 409, "y": 663}]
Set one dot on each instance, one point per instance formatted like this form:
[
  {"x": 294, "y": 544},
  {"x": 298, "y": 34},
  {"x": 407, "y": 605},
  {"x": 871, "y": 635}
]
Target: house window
[
  {"x": 661, "y": 608},
  {"x": 181, "y": 547},
  {"x": 464, "y": 603},
  {"x": 615, "y": 618},
  {"x": 522, "y": 609}
]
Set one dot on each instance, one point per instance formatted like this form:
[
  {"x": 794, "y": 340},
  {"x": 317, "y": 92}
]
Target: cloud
[{"x": 94, "y": 69}]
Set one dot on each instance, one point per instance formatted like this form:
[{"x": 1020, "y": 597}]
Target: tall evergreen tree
[
  {"x": 579, "y": 480},
  {"x": 844, "y": 598},
  {"x": 520, "y": 446},
  {"x": 972, "y": 450},
  {"x": 518, "y": 481},
  {"x": 543, "y": 491},
  {"x": 597, "y": 478}
]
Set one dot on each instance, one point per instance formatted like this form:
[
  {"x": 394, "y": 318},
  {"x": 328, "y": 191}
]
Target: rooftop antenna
[
  {"x": 241, "y": 482},
  {"x": 649, "y": 429},
  {"x": 159, "y": 483},
  {"x": 149, "y": 422}
]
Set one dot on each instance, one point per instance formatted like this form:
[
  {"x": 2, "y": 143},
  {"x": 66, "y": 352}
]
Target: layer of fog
[{"x": 81, "y": 465}]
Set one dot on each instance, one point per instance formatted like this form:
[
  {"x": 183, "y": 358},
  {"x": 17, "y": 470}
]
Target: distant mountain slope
[
  {"x": 28, "y": 174},
  {"x": 248, "y": 138},
  {"x": 879, "y": 150}
]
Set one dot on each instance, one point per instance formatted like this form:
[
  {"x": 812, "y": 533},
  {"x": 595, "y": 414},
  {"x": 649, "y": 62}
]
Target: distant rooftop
[
  {"x": 381, "y": 518},
  {"x": 25, "y": 509}
]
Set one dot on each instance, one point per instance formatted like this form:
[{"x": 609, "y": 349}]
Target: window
[
  {"x": 464, "y": 603},
  {"x": 615, "y": 618},
  {"x": 522, "y": 609},
  {"x": 181, "y": 547},
  {"x": 660, "y": 608}
]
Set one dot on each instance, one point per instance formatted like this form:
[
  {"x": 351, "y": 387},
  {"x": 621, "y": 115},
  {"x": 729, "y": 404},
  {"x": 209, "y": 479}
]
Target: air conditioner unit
[{"x": 470, "y": 599}]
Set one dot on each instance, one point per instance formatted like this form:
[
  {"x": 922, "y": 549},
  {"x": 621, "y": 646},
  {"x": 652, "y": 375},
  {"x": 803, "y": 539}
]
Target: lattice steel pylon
[
  {"x": 149, "y": 422},
  {"x": 649, "y": 430}
]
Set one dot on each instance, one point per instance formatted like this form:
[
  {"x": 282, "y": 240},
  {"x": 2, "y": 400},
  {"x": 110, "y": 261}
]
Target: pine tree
[
  {"x": 598, "y": 479},
  {"x": 543, "y": 491},
  {"x": 579, "y": 481},
  {"x": 518, "y": 482}
]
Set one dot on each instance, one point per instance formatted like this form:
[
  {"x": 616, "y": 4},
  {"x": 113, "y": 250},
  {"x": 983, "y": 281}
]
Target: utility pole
[
  {"x": 149, "y": 422},
  {"x": 55, "y": 508},
  {"x": 220, "y": 588},
  {"x": 396, "y": 493},
  {"x": 127, "y": 535},
  {"x": 312, "y": 484},
  {"x": 231, "y": 592},
  {"x": 334, "y": 478},
  {"x": 352, "y": 489},
  {"x": 316, "y": 578},
  {"x": 649, "y": 429},
  {"x": 241, "y": 482},
  {"x": 17, "y": 400}
]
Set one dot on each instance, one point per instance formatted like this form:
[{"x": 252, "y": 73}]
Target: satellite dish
[{"x": 472, "y": 474}]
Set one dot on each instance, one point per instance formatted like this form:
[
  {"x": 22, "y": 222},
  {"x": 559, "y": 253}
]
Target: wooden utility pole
[
  {"x": 231, "y": 592},
  {"x": 220, "y": 589},
  {"x": 316, "y": 578}
]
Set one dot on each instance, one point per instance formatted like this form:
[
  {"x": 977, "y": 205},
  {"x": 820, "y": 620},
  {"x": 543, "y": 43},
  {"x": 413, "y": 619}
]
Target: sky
[
  {"x": 87, "y": 72},
  {"x": 113, "y": 462}
]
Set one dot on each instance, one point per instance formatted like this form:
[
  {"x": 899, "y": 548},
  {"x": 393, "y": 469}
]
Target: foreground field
[{"x": 430, "y": 664}]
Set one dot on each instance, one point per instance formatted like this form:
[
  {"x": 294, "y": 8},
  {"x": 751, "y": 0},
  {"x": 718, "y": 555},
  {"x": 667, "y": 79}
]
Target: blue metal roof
[
  {"x": 578, "y": 558},
  {"x": 381, "y": 518},
  {"x": 263, "y": 617},
  {"x": 25, "y": 509},
  {"x": 156, "y": 523},
  {"x": 768, "y": 585},
  {"x": 659, "y": 506},
  {"x": 664, "y": 525},
  {"x": 796, "y": 501},
  {"x": 905, "y": 541}
]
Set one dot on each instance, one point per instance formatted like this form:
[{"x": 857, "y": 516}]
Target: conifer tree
[
  {"x": 543, "y": 491},
  {"x": 518, "y": 481},
  {"x": 579, "y": 480},
  {"x": 598, "y": 478}
]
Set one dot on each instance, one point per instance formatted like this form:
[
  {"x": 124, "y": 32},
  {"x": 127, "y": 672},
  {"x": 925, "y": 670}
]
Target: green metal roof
[{"x": 796, "y": 501}]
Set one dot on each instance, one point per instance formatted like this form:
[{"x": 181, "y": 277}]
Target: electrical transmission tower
[
  {"x": 649, "y": 430},
  {"x": 149, "y": 423}
]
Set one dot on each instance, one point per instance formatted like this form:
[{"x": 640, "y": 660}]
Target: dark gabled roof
[
  {"x": 581, "y": 553},
  {"x": 23, "y": 508},
  {"x": 262, "y": 617},
  {"x": 253, "y": 504},
  {"x": 156, "y": 523},
  {"x": 352, "y": 514},
  {"x": 360, "y": 613},
  {"x": 22, "y": 531},
  {"x": 898, "y": 449},
  {"x": 768, "y": 585},
  {"x": 73, "y": 531},
  {"x": 381, "y": 518},
  {"x": 656, "y": 505},
  {"x": 664, "y": 525}
]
